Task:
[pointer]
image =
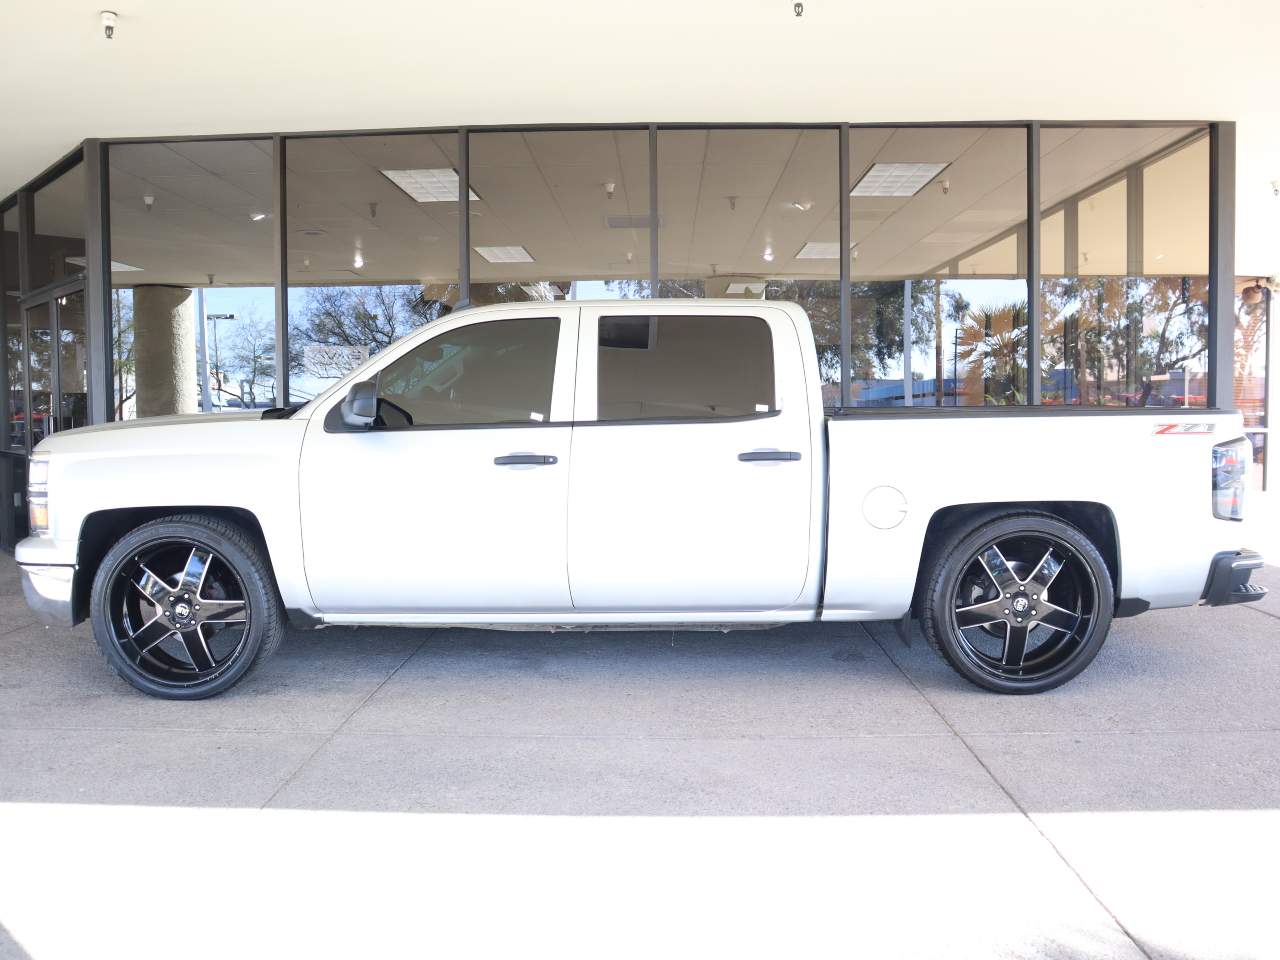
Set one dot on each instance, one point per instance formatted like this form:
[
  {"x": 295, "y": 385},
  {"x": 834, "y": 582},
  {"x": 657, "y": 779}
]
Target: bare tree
[
  {"x": 372, "y": 316},
  {"x": 248, "y": 365}
]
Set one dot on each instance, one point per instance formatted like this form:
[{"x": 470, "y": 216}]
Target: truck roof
[{"x": 700, "y": 304}]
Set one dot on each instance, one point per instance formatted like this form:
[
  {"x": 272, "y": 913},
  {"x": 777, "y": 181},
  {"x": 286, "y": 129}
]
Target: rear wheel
[
  {"x": 184, "y": 607},
  {"x": 1019, "y": 605}
]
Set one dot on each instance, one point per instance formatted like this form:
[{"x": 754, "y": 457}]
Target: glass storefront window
[
  {"x": 559, "y": 214},
  {"x": 938, "y": 266},
  {"x": 73, "y": 363},
  {"x": 193, "y": 276},
  {"x": 754, "y": 214},
  {"x": 57, "y": 251},
  {"x": 40, "y": 370},
  {"x": 1252, "y": 340},
  {"x": 1125, "y": 309},
  {"x": 372, "y": 247},
  {"x": 13, "y": 412}
]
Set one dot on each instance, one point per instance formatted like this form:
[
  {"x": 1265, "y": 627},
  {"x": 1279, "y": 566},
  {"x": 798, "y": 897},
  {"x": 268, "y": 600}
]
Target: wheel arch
[
  {"x": 1094, "y": 520},
  {"x": 103, "y": 528}
]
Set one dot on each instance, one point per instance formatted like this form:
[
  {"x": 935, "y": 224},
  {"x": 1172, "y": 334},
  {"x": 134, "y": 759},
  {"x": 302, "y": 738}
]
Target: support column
[{"x": 164, "y": 347}]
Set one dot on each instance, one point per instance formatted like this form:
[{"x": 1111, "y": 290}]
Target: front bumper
[
  {"x": 1229, "y": 578},
  {"x": 47, "y": 588}
]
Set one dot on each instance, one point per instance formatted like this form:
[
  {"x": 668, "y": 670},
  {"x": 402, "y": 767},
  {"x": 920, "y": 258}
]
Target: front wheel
[
  {"x": 185, "y": 606},
  {"x": 1019, "y": 605}
]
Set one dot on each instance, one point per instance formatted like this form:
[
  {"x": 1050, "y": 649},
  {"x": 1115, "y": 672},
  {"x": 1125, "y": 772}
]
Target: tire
[
  {"x": 1042, "y": 568},
  {"x": 184, "y": 607}
]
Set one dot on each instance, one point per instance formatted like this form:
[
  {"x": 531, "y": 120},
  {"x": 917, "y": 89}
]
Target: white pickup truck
[{"x": 574, "y": 465}]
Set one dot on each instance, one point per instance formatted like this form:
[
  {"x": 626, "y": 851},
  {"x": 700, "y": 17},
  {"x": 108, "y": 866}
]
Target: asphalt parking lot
[{"x": 1132, "y": 813}]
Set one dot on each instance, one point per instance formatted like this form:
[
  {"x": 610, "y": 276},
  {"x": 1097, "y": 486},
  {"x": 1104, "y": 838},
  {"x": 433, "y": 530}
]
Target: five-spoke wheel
[
  {"x": 1020, "y": 604},
  {"x": 183, "y": 607},
  {"x": 178, "y": 611}
]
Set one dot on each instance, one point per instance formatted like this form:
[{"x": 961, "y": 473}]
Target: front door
[
  {"x": 691, "y": 484},
  {"x": 455, "y": 501}
]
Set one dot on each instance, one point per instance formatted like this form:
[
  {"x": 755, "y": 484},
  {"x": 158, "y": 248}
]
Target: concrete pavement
[{"x": 818, "y": 789}]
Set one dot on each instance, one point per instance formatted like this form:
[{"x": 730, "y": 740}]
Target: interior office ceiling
[
  {"x": 743, "y": 203},
  {"x": 240, "y": 66}
]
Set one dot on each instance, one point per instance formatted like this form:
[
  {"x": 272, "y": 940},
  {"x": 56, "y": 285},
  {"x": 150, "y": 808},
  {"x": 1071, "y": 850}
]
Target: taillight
[{"x": 1230, "y": 461}]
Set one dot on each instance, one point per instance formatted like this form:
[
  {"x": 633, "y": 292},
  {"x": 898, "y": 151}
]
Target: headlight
[
  {"x": 1230, "y": 462},
  {"x": 38, "y": 496}
]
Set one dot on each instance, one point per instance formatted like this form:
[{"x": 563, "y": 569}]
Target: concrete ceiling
[{"x": 240, "y": 66}]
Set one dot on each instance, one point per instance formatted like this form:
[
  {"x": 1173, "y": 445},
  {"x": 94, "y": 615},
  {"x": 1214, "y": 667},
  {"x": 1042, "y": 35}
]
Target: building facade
[{"x": 949, "y": 264}]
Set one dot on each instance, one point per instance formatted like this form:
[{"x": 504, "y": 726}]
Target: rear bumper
[
  {"x": 1229, "y": 578},
  {"x": 47, "y": 588}
]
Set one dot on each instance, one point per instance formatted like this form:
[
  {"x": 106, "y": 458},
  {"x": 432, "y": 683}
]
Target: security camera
[{"x": 109, "y": 23}]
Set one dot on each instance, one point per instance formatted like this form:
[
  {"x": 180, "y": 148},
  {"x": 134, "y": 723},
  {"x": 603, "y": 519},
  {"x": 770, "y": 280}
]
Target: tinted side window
[
  {"x": 496, "y": 372},
  {"x": 684, "y": 368}
]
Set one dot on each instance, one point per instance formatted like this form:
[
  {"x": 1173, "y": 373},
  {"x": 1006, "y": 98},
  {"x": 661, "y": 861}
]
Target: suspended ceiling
[{"x": 744, "y": 203}]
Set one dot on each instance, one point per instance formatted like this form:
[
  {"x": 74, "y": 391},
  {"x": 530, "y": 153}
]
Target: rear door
[{"x": 690, "y": 488}]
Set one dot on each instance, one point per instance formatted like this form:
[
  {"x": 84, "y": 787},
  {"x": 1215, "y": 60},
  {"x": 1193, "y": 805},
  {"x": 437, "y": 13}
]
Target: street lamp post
[{"x": 217, "y": 359}]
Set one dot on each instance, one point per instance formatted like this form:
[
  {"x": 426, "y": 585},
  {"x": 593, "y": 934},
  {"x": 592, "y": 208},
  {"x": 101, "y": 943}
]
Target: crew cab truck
[{"x": 626, "y": 464}]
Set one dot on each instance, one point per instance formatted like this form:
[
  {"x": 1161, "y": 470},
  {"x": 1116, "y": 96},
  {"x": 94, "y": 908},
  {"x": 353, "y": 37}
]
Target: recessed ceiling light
[
  {"x": 768, "y": 254},
  {"x": 429, "y": 186},
  {"x": 313, "y": 232},
  {"x": 508, "y": 254},
  {"x": 116, "y": 265},
  {"x": 820, "y": 250},
  {"x": 802, "y": 205},
  {"x": 258, "y": 215},
  {"x": 896, "y": 179},
  {"x": 358, "y": 260}
]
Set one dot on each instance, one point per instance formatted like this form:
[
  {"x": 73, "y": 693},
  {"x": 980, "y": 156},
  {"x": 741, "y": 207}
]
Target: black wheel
[
  {"x": 1019, "y": 605},
  {"x": 185, "y": 606}
]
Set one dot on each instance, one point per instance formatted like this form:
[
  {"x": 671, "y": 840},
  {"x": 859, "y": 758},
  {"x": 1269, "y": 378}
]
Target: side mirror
[{"x": 360, "y": 408}]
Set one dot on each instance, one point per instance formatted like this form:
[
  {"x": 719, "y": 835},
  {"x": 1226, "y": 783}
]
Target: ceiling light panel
[
  {"x": 896, "y": 179},
  {"x": 511, "y": 254},
  {"x": 116, "y": 265},
  {"x": 820, "y": 250},
  {"x": 428, "y": 186}
]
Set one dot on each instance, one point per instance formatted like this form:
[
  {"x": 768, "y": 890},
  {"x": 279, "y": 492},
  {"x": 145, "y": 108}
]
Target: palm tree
[{"x": 993, "y": 344}]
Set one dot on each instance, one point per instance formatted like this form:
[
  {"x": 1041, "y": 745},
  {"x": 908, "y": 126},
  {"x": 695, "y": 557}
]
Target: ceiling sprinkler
[
  {"x": 109, "y": 23},
  {"x": 799, "y": 9}
]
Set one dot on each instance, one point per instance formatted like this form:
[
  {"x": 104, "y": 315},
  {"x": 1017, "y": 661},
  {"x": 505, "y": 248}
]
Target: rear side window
[{"x": 684, "y": 368}]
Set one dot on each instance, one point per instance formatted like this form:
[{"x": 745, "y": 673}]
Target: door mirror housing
[{"x": 360, "y": 408}]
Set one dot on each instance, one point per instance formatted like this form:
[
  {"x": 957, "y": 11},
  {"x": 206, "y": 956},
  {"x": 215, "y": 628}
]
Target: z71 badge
[{"x": 1180, "y": 428}]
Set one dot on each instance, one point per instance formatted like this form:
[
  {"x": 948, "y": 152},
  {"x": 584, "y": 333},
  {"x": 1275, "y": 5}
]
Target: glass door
[
  {"x": 72, "y": 409},
  {"x": 41, "y": 375}
]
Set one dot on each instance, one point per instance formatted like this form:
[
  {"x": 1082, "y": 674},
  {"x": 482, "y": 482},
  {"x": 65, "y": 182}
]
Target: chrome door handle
[
  {"x": 757, "y": 456},
  {"x": 514, "y": 459}
]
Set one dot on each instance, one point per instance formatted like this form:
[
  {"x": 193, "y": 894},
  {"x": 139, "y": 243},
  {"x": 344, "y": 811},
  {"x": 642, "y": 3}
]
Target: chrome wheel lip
[
  {"x": 1058, "y": 648},
  {"x": 200, "y": 611}
]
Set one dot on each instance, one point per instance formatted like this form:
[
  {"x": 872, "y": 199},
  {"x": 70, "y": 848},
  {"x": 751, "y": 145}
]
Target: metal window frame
[
  {"x": 1032, "y": 264},
  {"x": 98, "y": 276},
  {"x": 1222, "y": 252},
  {"x": 97, "y": 282},
  {"x": 280, "y": 246}
]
